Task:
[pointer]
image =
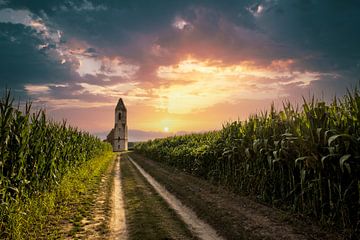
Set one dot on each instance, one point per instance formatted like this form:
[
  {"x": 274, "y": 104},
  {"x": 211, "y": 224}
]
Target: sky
[{"x": 180, "y": 66}]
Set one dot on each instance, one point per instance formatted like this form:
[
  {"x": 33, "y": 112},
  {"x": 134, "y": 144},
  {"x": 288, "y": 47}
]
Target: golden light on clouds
[
  {"x": 193, "y": 84},
  {"x": 190, "y": 69},
  {"x": 185, "y": 89}
]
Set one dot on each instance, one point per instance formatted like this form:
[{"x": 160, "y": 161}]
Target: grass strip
[{"x": 57, "y": 213}]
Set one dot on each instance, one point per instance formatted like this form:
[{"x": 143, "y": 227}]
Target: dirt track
[
  {"x": 117, "y": 220},
  {"x": 233, "y": 216},
  {"x": 201, "y": 229},
  {"x": 148, "y": 216},
  {"x": 149, "y": 200}
]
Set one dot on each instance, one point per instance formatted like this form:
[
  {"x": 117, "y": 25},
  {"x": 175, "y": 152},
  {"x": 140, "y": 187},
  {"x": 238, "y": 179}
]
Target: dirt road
[
  {"x": 147, "y": 215},
  {"x": 127, "y": 206},
  {"x": 198, "y": 227},
  {"x": 233, "y": 216},
  {"x": 146, "y": 200},
  {"x": 117, "y": 220}
]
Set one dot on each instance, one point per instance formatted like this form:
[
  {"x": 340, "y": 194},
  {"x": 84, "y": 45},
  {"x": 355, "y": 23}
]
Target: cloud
[
  {"x": 194, "y": 84},
  {"x": 82, "y": 95},
  {"x": 176, "y": 57},
  {"x": 256, "y": 10},
  {"x": 84, "y": 5},
  {"x": 8, "y": 15},
  {"x": 110, "y": 67},
  {"x": 181, "y": 24},
  {"x": 74, "y": 103},
  {"x": 33, "y": 49},
  {"x": 27, "y": 60},
  {"x": 111, "y": 91},
  {"x": 28, "y": 19},
  {"x": 36, "y": 89},
  {"x": 189, "y": 86},
  {"x": 34, "y": 45},
  {"x": 259, "y": 8},
  {"x": 3, "y": 2},
  {"x": 324, "y": 31}
]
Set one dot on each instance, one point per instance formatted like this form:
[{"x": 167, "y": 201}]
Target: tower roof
[{"x": 120, "y": 105}]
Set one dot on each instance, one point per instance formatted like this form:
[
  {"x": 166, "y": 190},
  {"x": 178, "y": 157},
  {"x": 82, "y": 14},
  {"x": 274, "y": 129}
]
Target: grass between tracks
[
  {"x": 58, "y": 212},
  {"x": 147, "y": 215}
]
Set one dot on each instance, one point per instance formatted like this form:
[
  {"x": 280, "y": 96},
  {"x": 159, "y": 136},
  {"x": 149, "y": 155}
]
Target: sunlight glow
[{"x": 195, "y": 84}]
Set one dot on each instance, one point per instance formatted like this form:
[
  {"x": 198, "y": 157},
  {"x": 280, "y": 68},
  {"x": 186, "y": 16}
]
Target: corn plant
[
  {"x": 35, "y": 152},
  {"x": 304, "y": 159}
]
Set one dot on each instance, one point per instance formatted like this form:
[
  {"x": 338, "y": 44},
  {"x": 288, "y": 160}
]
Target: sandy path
[
  {"x": 117, "y": 220},
  {"x": 197, "y": 226}
]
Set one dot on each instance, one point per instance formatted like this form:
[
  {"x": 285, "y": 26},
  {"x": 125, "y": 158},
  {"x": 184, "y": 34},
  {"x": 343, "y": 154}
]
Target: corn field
[
  {"x": 305, "y": 160},
  {"x": 36, "y": 152}
]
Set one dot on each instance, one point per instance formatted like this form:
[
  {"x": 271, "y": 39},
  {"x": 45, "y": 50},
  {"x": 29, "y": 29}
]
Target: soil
[
  {"x": 199, "y": 228},
  {"x": 148, "y": 216},
  {"x": 233, "y": 216},
  {"x": 117, "y": 221}
]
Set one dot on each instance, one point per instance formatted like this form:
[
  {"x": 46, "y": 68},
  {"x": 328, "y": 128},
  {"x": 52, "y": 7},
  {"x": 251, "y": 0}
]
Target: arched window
[{"x": 119, "y": 115}]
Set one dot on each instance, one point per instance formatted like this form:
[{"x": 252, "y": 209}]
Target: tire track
[
  {"x": 117, "y": 221},
  {"x": 201, "y": 229}
]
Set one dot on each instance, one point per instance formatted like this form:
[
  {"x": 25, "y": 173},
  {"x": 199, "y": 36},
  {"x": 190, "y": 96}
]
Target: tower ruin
[{"x": 118, "y": 137}]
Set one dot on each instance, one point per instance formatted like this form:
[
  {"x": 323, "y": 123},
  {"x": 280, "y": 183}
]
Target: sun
[{"x": 166, "y": 129}]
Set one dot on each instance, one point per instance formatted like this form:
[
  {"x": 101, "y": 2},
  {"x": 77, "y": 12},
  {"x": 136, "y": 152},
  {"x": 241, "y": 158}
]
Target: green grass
[
  {"x": 44, "y": 216},
  {"x": 304, "y": 160}
]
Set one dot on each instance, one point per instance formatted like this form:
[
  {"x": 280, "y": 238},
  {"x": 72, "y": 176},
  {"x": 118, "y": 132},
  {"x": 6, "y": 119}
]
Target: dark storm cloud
[
  {"x": 144, "y": 33},
  {"x": 320, "y": 36},
  {"x": 326, "y": 30},
  {"x": 22, "y": 62}
]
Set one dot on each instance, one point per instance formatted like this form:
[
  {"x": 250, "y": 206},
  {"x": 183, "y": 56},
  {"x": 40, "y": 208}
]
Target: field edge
[{"x": 44, "y": 215}]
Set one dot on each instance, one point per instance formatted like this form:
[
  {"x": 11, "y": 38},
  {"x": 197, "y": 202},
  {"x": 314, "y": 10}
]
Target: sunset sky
[{"x": 180, "y": 66}]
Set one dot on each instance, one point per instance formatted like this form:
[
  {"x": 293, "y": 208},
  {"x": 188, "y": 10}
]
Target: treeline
[{"x": 307, "y": 160}]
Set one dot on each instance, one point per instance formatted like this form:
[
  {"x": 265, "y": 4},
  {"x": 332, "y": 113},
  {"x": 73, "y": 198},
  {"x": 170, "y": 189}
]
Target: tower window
[{"x": 119, "y": 116}]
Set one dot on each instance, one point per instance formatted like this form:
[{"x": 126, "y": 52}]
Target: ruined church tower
[{"x": 120, "y": 142}]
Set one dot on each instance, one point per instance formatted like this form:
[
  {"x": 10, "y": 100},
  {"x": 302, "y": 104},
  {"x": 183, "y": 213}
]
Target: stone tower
[{"x": 120, "y": 131}]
